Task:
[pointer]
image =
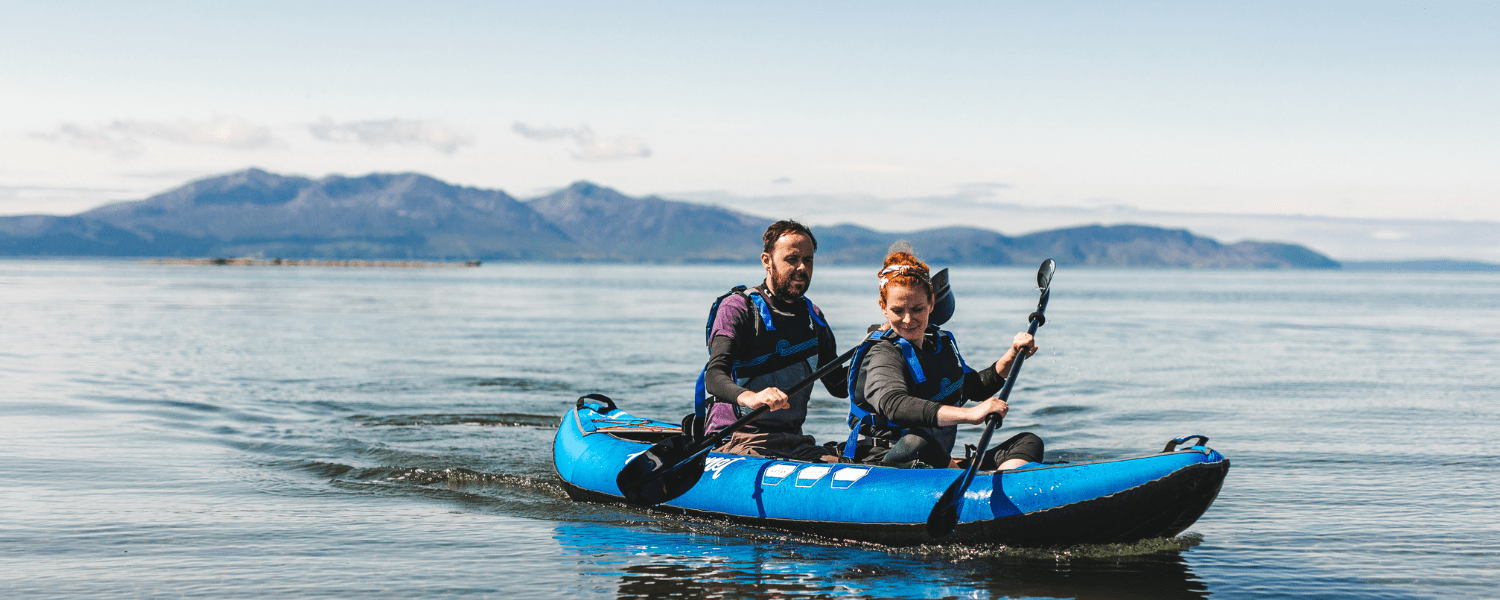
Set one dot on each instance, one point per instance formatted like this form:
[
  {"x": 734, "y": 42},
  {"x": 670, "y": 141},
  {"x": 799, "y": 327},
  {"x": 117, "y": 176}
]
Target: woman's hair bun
[{"x": 903, "y": 268}]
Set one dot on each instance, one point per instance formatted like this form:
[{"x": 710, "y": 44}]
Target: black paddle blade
[
  {"x": 1044, "y": 274},
  {"x": 944, "y": 516},
  {"x": 646, "y": 481},
  {"x": 942, "y": 299},
  {"x": 671, "y": 467}
]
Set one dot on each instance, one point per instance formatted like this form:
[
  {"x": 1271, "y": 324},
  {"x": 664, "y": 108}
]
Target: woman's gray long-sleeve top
[{"x": 887, "y": 386}]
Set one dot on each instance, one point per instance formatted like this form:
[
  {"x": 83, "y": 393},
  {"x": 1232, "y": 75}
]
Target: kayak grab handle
[
  {"x": 1172, "y": 445},
  {"x": 609, "y": 404}
]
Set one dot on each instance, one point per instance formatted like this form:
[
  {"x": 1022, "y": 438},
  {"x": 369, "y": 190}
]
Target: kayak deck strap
[
  {"x": 632, "y": 425},
  {"x": 607, "y": 423},
  {"x": 632, "y": 428}
]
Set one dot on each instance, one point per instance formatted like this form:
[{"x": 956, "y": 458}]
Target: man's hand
[{"x": 771, "y": 396}]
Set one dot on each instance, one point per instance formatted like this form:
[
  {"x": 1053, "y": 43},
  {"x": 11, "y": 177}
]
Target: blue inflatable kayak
[{"x": 1107, "y": 501}]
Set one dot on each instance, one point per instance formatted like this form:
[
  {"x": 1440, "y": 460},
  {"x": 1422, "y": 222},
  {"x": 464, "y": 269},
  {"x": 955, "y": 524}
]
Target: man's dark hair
[{"x": 784, "y": 227}]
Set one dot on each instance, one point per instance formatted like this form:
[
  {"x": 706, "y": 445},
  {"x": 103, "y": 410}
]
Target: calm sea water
[{"x": 242, "y": 432}]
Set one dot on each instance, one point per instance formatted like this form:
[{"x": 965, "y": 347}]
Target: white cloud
[
  {"x": 226, "y": 132},
  {"x": 1389, "y": 234},
  {"x": 879, "y": 168},
  {"x": 547, "y": 134},
  {"x": 586, "y": 144},
  {"x": 376, "y": 133},
  {"x": 625, "y": 146},
  {"x": 122, "y": 139},
  {"x": 171, "y": 175},
  {"x": 981, "y": 188},
  {"x": 97, "y": 139}
]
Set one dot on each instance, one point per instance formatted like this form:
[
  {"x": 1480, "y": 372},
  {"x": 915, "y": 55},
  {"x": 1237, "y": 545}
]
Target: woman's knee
[{"x": 1025, "y": 446}]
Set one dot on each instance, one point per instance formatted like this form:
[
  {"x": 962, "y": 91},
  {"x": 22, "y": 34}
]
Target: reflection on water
[{"x": 653, "y": 563}]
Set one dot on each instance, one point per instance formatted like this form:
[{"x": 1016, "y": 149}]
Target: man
[{"x": 764, "y": 340}]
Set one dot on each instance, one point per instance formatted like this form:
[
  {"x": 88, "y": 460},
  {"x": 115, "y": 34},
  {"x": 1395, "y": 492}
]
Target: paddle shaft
[
  {"x": 944, "y": 515},
  {"x": 993, "y": 420},
  {"x": 714, "y": 440},
  {"x": 1015, "y": 367}
]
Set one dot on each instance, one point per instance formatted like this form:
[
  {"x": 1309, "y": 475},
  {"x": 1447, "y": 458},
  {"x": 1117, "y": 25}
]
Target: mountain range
[{"x": 413, "y": 216}]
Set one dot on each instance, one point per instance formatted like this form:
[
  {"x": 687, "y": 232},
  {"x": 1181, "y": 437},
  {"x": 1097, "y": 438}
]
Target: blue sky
[{"x": 882, "y": 113}]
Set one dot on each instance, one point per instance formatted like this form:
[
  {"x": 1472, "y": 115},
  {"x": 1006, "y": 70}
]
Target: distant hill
[
  {"x": 412, "y": 216},
  {"x": 608, "y": 225},
  {"x": 1093, "y": 246},
  {"x": 383, "y": 215}
]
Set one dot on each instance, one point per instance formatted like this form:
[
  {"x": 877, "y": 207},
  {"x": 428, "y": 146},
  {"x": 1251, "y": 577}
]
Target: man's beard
[{"x": 787, "y": 284}]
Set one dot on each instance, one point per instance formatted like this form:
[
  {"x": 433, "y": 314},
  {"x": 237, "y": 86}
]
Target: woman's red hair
[{"x": 902, "y": 268}]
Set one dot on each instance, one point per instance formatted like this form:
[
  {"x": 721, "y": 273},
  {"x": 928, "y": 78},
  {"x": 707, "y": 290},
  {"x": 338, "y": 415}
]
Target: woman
[{"x": 908, "y": 390}]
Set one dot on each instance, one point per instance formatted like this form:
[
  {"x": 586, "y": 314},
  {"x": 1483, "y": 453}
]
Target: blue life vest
[
  {"x": 937, "y": 376},
  {"x": 772, "y": 348}
]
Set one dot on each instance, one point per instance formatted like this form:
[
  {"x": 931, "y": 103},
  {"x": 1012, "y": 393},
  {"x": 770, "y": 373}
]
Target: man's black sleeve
[{"x": 718, "y": 380}]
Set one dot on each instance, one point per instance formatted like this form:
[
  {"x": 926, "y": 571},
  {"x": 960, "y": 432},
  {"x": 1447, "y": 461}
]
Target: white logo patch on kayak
[
  {"x": 717, "y": 464},
  {"x": 846, "y": 477},
  {"x": 776, "y": 473},
  {"x": 810, "y": 475},
  {"x": 655, "y": 462}
]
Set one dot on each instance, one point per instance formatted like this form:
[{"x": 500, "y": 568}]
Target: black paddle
[
  {"x": 944, "y": 515},
  {"x": 673, "y": 466}
]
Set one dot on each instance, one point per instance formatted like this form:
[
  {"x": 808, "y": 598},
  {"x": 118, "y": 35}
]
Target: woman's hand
[
  {"x": 774, "y": 397},
  {"x": 953, "y": 415},
  {"x": 992, "y": 406},
  {"x": 1023, "y": 342}
]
